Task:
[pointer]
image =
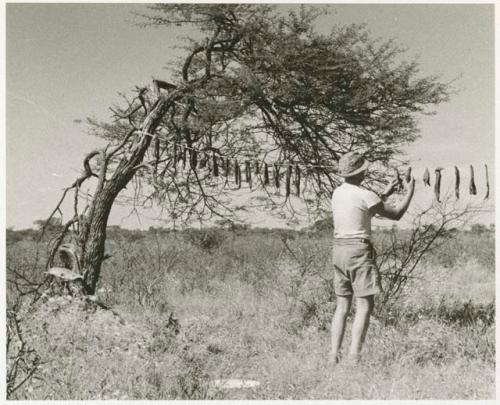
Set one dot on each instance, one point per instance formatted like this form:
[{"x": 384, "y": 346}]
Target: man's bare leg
[
  {"x": 338, "y": 325},
  {"x": 364, "y": 308}
]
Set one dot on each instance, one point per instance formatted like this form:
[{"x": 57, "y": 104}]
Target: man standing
[{"x": 355, "y": 272}]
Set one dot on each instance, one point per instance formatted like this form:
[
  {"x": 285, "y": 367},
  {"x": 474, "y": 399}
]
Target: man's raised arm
[{"x": 395, "y": 213}]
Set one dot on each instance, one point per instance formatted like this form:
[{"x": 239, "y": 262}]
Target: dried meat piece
[
  {"x": 236, "y": 167},
  {"x": 248, "y": 173},
  {"x": 257, "y": 168},
  {"x": 472, "y": 185},
  {"x": 437, "y": 184},
  {"x": 266, "y": 174},
  {"x": 427, "y": 177},
  {"x": 215, "y": 165},
  {"x": 297, "y": 180},
  {"x": 175, "y": 154},
  {"x": 457, "y": 183},
  {"x": 239, "y": 176},
  {"x": 193, "y": 158},
  {"x": 487, "y": 183},
  {"x": 408, "y": 174},
  {"x": 183, "y": 156},
  {"x": 277, "y": 175},
  {"x": 288, "y": 178},
  {"x": 203, "y": 161}
]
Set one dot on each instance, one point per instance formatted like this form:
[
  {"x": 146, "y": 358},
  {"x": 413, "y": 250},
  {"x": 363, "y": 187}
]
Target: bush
[{"x": 207, "y": 239}]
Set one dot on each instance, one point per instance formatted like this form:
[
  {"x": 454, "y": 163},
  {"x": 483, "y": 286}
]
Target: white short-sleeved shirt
[{"x": 351, "y": 215}]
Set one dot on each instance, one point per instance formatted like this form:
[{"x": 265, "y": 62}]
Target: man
[{"x": 355, "y": 272}]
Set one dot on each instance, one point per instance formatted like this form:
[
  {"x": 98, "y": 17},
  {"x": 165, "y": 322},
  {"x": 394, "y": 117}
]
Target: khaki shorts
[{"x": 355, "y": 271}]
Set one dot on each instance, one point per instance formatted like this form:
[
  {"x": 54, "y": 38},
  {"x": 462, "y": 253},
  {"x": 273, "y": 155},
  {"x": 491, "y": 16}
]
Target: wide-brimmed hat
[{"x": 352, "y": 163}]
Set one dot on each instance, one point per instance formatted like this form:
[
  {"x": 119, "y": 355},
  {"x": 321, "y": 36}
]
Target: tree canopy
[{"x": 260, "y": 84}]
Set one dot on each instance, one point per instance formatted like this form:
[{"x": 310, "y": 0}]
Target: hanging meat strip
[
  {"x": 487, "y": 183},
  {"x": 193, "y": 158},
  {"x": 437, "y": 184},
  {"x": 457, "y": 183},
  {"x": 236, "y": 167},
  {"x": 266, "y": 174},
  {"x": 472, "y": 185},
  {"x": 215, "y": 165},
  {"x": 183, "y": 157},
  {"x": 288, "y": 178},
  {"x": 408, "y": 175},
  {"x": 297, "y": 180},
  {"x": 277, "y": 175},
  {"x": 427, "y": 177},
  {"x": 248, "y": 173},
  {"x": 175, "y": 155},
  {"x": 257, "y": 167},
  {"x": 203, "y": 160},
  {"x": 227, "y": 167}
]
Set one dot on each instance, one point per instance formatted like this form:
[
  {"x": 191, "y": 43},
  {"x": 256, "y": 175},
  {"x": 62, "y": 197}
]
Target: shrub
[{"x": 207, "y": 239}]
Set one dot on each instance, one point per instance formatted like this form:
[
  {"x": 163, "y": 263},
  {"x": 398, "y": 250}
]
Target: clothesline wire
[
  {"x": 281, "y": 164},
  {"x": 244, "y": 156}
]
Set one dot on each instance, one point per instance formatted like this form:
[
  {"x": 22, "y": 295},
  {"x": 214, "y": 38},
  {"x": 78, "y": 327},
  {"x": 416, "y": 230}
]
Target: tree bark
[{"x": 93, "y": 235}]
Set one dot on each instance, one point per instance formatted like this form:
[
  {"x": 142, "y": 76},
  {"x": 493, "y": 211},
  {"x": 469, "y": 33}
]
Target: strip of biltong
[
  {"x": 277, "y": 175},
  {"x": 175, "y": 155},
  {"x": 427, "y": 177},
  {"x": 472, "y": 185},
  {"x": 203, "y": 160},
  {"x": 183, "y": 157},
  {"x": 408, "y": 174},
  {"x": 266, "y": 174},
  {"x": 215, "y": 165},
  {"x": 236, "y": 167},
  {"x": 437, "y": 184},
  {"x": 288, "y": 178},
  {"x": 297, "y": 180},
  {"x": 248, "y": 172},
  {"x": 487, "y": 183},
  {"x": 457, "y": 183},
  {"x": 193, "y": 158}
]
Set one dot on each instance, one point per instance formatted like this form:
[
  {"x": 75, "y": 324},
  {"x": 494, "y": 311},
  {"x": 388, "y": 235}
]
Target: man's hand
[
  {"x": 386, "y": 210},
  {"x": 390, "y": 188}
]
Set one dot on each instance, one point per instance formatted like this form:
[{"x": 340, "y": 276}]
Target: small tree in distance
[{"x": 261, "y": 85}]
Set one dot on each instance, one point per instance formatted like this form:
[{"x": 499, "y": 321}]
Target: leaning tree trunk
[{"x": 93, "y": 229}]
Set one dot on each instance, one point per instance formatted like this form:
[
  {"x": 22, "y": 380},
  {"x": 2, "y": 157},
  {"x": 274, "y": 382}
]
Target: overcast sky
[{"x": 69, "y": 61}]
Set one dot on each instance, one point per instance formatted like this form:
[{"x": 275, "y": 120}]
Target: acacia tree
[{"x": 261, "y": 85}]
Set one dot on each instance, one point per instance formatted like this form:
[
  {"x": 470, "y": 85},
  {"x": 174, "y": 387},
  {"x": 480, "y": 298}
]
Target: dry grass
[{"x": 247, "y": 309}]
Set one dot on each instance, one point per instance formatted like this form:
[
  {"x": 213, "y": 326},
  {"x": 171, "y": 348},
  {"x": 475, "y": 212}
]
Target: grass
[{"x": 242, "y": 306}]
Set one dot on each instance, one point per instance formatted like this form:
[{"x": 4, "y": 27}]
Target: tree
[{"x": 261, "y": 85}]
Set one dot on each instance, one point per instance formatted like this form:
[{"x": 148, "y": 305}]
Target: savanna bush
[{"x": 206, "y": 239}]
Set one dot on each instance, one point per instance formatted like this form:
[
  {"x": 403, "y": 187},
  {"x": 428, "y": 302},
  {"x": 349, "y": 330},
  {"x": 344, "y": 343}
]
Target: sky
[{"x": 69, "y": 61}]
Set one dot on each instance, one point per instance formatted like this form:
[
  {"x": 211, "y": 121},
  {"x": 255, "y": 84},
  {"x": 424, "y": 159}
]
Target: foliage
[
  {"x": 260, "y": 82},
  {"x": 207, "y": 239}
]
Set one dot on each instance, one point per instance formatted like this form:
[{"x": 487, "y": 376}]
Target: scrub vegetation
[{"x": 178, "y": 310}]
